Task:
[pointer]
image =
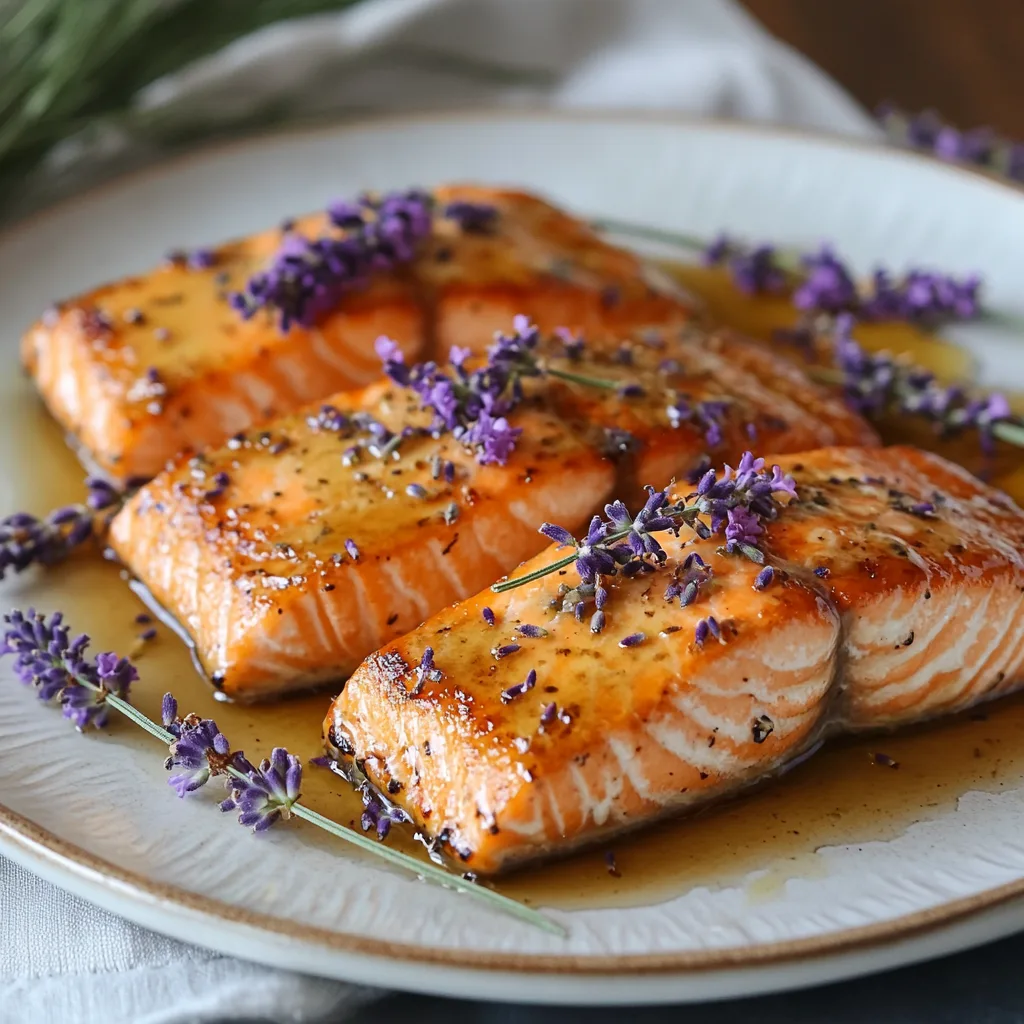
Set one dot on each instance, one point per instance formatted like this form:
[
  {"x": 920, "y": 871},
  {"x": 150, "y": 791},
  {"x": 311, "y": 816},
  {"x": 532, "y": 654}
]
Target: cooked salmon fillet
[
  {"x": 245, "y": 545},
  {"x": 898, "y": 595},
  {"x": 147, "y": 367}
]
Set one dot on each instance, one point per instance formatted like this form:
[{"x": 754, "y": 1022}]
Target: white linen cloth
[{"x": 63, "y": 960}]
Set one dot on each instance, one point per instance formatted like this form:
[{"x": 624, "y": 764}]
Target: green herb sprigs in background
[{"x": 66, "y": 64}]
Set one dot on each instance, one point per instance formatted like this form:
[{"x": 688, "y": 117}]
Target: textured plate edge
[
  {"x": 180, "y": 157},
  {"x": 75, "y": 869},
  {"x": 908, "y": 938}
]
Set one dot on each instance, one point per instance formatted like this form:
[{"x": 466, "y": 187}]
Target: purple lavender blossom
[
  {"x": 755, "y": 270},
  {"x": 474, "y": 406},
  {"x": 519, "y": 689},
  {"x": 57, "y": 667},
  {"x": 708, "y": 415},
  {"x": 102, "y": 493},
  {"x": 169, "y": 714},
  {"x": 536, "y": 632},
  {"x": 201, "y": 259},
  {"x": 692, "y": 575},
  {"x": 268, "y": 792},
  {"x": 875, "y": 383},
  {"x": 26, "y": 540},
  {"x": 83, "y": 705},
  {"x": 426, "y": 671},
  {"x": 706, "y": 628},
  {"x": 827, "y": 285},
  {"x": 308, "y": 277},
  {"x": 199, "y": 750}
]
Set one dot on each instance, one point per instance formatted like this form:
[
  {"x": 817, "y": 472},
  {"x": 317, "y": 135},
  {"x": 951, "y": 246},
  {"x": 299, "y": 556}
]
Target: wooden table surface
[{"x": 964, "y": 58}]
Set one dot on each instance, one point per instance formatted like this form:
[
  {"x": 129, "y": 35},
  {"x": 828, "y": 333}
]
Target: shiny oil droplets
[{"x": 852, "y": 791}]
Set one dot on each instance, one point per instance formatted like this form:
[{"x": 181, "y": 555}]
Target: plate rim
[
  {"x": 178, "y": 157},
  {"x": 29, "y": 843}
]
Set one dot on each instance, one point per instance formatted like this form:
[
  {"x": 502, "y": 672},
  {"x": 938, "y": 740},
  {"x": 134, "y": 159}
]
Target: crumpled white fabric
[{"x": 61, "y": 959}]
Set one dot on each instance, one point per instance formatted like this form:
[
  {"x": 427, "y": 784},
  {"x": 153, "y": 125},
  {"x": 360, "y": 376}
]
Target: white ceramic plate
[{"x": 116, "y": 836}]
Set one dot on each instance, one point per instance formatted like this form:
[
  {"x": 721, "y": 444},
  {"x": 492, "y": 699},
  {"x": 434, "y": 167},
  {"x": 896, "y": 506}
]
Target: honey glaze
[{"x": 855, "y": 790}]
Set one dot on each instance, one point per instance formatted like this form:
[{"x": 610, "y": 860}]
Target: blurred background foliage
[{"x": 66, "y": 65}]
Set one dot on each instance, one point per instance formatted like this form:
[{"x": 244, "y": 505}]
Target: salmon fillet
[
  {"x": 157, "y": 364},
  {"x": 245, "y": 545},
  {"x": 897, "y": 596}
]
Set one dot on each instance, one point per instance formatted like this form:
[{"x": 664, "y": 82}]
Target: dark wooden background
[{"x": 964, "y": 58}]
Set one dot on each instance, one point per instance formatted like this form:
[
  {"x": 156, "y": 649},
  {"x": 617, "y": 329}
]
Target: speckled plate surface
[{"x": 119, "y": 839}]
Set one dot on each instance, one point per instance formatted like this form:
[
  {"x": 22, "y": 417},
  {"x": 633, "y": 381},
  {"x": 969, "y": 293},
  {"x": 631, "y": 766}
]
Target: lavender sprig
[
  {"x": 307, "y": 277},
  {"x": 58, "y": 668},
  {"x": 979, "y": 146},
  {"x": 877, "y": 384},
  {"x": 735, "y": 504},
  {"x": 27, "y": 540},
  {"x": 474, "y": 405},
  {"x": 46, "y": 659},
  {"x": 822, "y": 282}
]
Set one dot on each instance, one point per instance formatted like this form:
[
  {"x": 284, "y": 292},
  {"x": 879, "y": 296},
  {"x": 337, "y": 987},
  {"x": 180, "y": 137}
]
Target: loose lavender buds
[{"x": 267, "y": 793}]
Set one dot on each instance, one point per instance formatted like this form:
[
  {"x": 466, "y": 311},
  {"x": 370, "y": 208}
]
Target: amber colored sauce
[{"x": 840, "y": 796}]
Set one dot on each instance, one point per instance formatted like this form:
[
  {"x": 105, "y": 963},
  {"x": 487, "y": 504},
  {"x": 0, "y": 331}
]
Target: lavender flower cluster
[
  {"x": 59, "y": 668},
  {"x": 876, "y": 384},
  {"x": 27, "y": 540},
  {"x": 736, "y": 505},
  {"x": 307, "y": 277},
  {"x": 473, "y": 405},
  {"x": 822, "y": 283},
  {"x": 262, "y": 794},
  {"x": 979, "y": 146}
]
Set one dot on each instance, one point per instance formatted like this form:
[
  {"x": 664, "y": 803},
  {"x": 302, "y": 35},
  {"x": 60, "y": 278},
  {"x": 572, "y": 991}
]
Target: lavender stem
[
  {"x": 430, "y": 871},
  {"x": 396, "y": 857},
  {"x": 578, "y": 378},
  {"x": 1011, "y": 433},
  {"x": 537, "y": 574}
]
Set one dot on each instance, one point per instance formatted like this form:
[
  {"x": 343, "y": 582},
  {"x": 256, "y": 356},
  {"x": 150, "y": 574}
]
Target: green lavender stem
[
  {"x": 684, "y": 512},
  {"x": 579, "y": 378},
  {"x": 520, "y": 581},
  {"x": 402, "y": 860},
  {"x": 677, "y": 238}
]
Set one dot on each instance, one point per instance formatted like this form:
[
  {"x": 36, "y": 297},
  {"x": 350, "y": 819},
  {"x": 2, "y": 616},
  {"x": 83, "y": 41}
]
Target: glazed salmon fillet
[
  {"x": 897, "y": 594},
  {"x": 247, "y": 546},
  {"x": 153, "y": 365}
]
